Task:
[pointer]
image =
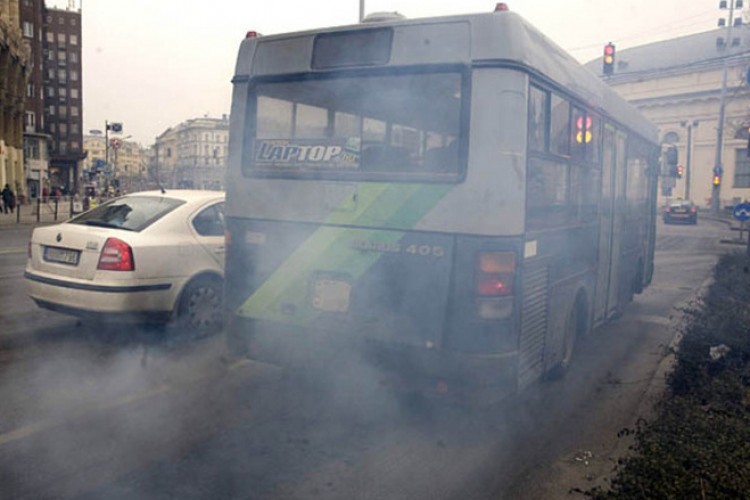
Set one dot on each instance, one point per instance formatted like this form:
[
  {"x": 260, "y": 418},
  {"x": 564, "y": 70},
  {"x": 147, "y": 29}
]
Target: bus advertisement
[{"x": 455, "y": 201}]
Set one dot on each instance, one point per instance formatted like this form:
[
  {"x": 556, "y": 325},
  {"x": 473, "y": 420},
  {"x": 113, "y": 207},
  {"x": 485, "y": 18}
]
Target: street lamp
[{"x": 689, "y": 154}]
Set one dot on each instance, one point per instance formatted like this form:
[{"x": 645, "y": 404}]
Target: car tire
[{"x": 200, "y": 311}]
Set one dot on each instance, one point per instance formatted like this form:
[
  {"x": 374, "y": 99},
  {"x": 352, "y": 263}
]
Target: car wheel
[{"x": 201, "y": 307}]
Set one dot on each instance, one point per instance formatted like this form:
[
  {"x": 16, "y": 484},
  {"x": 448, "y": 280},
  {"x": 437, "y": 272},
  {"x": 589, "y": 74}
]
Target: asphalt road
[{"x": 125, "y": 414}]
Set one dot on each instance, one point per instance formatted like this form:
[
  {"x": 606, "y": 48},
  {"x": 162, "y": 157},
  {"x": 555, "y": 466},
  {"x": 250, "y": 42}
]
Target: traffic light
[
  {"x": 680, "y": 171},
  {"x": 583, "y": 129},
  {"x": 717, "y": 180},
  {"x": 672, "y": 159},
  {"x": 609, "y": 59}
]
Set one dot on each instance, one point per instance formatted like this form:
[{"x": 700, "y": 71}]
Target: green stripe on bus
[{"x": 329, "y": 249}]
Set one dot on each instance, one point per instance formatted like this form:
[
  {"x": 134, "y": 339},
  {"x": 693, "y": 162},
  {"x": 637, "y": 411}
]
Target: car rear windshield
[
  {"x": 381, "y": 126},
  {"x": 132, "y": 213}
]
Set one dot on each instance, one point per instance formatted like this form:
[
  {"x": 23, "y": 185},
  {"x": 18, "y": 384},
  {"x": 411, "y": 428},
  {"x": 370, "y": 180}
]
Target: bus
[{"x": 455, "y": 201}]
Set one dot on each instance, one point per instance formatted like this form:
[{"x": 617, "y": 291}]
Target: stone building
[
  {"x": 193, "y": 154},
  {"x": 677, "y": 84},
  {"x": 15, "y": 61}
]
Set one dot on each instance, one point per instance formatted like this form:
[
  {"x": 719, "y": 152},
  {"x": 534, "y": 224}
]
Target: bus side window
[
  {"x": 548, "y": 201},
  {"x": 559, "y": 126},
  {"x": 538, "y": 112}
]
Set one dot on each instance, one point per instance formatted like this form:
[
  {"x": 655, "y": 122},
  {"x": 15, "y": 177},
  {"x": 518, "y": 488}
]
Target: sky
[{"x": 152, "y": 64}]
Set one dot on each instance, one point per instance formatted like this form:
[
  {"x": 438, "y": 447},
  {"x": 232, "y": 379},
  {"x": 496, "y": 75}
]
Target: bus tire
[
  {"x": 575, "y": 327},
  {"x": 200, "y": 309},
  {"x": 638, "y": 279}
]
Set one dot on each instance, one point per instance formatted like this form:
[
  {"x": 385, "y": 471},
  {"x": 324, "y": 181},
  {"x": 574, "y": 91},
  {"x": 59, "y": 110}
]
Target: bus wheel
[
  {"x": 200, "y": 309},
  {"x": 572, "y": 328}
]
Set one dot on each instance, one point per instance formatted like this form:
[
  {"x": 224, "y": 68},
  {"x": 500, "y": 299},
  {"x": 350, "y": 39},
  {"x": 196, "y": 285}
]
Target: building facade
[
  {"x": 193, "y": 154},
  {"x": 63, "y": 96},
  {"x": 35, "y": 140},
  {"x": 128, "y": 164},
  {"x": 15, "y": 62},
  {"x": 677, "y": 84}
]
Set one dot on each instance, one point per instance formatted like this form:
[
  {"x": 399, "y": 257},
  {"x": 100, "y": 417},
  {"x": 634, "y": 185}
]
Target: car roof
[{"x": 188, "y": 195}]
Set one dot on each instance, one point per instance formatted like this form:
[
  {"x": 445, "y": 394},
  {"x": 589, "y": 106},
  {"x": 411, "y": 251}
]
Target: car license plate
[
  {"x": 61, "y": 255},
  {"x": 331, "y": 295}
]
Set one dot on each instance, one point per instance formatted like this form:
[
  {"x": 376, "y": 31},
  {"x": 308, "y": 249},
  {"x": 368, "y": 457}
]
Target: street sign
[
  {"x": 115, "y": 143},
  {"x": 742, "y": 212}
]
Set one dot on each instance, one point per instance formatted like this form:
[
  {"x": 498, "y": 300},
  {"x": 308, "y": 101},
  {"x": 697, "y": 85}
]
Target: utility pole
[
  {"x": 718, "y": 169},
  {"x": 688, "y": 164}
]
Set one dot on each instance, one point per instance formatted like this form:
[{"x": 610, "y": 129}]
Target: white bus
[{"x": 453, "y": 199}]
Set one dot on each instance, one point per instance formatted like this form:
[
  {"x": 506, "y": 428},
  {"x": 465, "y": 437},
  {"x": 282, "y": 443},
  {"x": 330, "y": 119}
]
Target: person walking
[{"x": 9, "y": 199}]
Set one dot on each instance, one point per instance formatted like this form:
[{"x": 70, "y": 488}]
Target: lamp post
[
  {"x": 689, "y": 154},
  {"x": 718, "y": 169}
]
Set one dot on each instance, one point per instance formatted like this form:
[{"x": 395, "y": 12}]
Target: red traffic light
[{"x": 609, "y": 59}]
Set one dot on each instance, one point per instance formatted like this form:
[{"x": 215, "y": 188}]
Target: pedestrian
[{"x": 9, "y": 199}]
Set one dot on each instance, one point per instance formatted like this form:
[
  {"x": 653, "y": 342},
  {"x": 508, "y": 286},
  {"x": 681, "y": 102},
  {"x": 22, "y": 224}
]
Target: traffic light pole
[{"x": 718, "y": 169}]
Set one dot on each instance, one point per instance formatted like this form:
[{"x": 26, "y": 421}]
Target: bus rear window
[{"x": 404, "y": 126}]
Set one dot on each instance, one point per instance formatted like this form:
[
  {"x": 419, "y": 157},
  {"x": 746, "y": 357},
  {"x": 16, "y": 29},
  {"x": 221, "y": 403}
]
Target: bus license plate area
[
  {"x": 331, "y": 295},
  {"x": 61, "y": 256}
]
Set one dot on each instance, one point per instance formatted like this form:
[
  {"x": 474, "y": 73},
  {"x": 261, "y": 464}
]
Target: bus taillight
[
  {"x": 494, "y": 285},
  {"x": 495, "y": 274}
]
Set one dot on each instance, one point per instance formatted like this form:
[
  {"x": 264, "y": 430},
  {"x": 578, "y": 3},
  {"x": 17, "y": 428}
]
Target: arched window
[{"x": 671, "y": 138}]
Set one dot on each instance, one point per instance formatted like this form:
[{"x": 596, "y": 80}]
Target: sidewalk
[{"x": 35, "y": 213}]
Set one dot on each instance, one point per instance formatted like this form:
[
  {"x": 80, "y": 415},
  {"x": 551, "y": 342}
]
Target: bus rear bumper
[{"x": 401, "y": 366}]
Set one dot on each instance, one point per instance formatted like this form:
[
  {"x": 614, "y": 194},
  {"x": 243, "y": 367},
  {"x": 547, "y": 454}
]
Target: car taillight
[
  {"x": 116, "y": 256},
  {"x": 495, "y": 273},
  {"x": 666, "y": 209}
]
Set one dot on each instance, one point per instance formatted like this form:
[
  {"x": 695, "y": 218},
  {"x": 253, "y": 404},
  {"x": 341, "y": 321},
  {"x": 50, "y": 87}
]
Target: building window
[
  {"x": 30, "y": 119},
  {"x": 60, "y": 21},
  {"x": 671, "y": 138},
  {"x": 73, "y": 75},
  {"x": 74, "y": 57},
  {"x": 741, "y": 168},
  {"x": 63, "y": 92},
  {"x": 74, "y": 111},
  {"x": 63, "y": 129},
  {"x": 72, "y": 21},
  {"x": 29, "y": 90},
  {"x": 50, "y": 91},
  {"x": 63, "y": 110},
  {"x": 62, "y": 75},
  {"x": 28, "y": 29},
  {"x": 50, "y": 37},
  {"x": 74, "y": 145},
  {"x": 74, "y": 129},
  {"x": 51, "y": 111},
  {"x": 74, "y": 39},
  {"x": 62, "y": 55},
  {"x": 51, "y": 55},
  {"x": 74, "y": 93},
  {"x": 61, "y": 38}
]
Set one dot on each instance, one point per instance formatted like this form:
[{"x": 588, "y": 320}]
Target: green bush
[{"x": 698, "y": 445}]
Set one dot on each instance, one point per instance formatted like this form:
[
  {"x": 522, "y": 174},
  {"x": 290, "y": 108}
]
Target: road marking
[{"x": 12, "y": 250}]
